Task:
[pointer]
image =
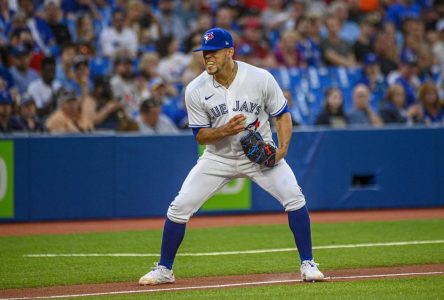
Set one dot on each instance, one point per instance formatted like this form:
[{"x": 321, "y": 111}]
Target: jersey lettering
[
  {"x": 219, "y": 110},
  {"x": 244, "y": 107}
]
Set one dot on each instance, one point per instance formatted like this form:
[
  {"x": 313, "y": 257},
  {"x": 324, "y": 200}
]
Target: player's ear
[{"x": 230, "y": 52}]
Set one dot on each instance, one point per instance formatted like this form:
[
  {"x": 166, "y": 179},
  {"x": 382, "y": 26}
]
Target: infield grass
[{"x": 19, "y": 271}]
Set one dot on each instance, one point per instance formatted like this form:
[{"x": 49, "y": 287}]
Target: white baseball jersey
[{"x": 254, "y": 93}]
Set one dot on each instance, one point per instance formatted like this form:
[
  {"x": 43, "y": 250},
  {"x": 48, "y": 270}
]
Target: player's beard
[{"x": 218, "y": 69}]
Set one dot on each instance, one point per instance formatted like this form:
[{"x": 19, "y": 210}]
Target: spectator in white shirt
[
  {"x": 118, "y": 38},
  {"x": 43, "y": 89}
]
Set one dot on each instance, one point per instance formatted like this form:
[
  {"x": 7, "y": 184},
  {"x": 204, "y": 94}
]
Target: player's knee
[
  {"x": 178, "y": 214},
  {"x": 295, "y": 203}
]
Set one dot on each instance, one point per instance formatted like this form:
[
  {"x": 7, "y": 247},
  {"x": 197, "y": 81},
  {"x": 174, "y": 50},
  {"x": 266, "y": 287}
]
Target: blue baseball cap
[
  {"x": 215, "y": 39},
  {"x": 370, "y": 59},
  {"x": 408, "y": 57},
  {"x": 5, "y": 97}
]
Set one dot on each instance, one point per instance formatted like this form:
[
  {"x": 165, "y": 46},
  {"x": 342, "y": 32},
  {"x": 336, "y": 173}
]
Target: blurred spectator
[
  {"x": 21, "y": 36},
  {"x": 124, "y": 86},
  {"x": 243, "y": 53},
  {"x": 148, "y": 66},
  {"x": 28, "y": 115},
  {"x": 398, "y": 11},
  {"x": 64, "y": 67},
  {"x": 286, "y": 51},
  {"x": 5, "y": 19},
  {"x": 41, "y": 32},
  {"x": 348, "y": 29},
  {"x": 261, "y": 55},
  {"x": 170, "y": 24},
  {"x": 20, "y": 71},
  {"x": 432, "y": 107},
  {"x": 225, "y": 19},
  {"x": 333, "y": 113},
  {"x": 152, "y": 121},
  {"x": 374, "y": 79},
  {"x": 406, "y": 75},
  {"x": 363, "y": 46},
  {"x": 85, "y": 32},
  {"x": 172, "y": 106},
  {"x": 188, "y": 11},
  {"x": 195, "y": 67},
  {"x": 118, "y": 38},
  {"x": 387, "y": 52},
  {"x": 362, "y": 113},
  {"x": 53, "y": 16},
  {"x": 393, "y": 107},
  {"x": 438, "y": 47},
  {"x": 309, "y": 50},
  {"x": 8, "y": 123},
  {"x": 172, "y": 62},
  {"x": 43, "y": 90},
  {"x": 336, "y": 51},
  {"x": 68, "y": 118},
  {"x": 142, "y": 20},
  {"x": 81, "y": 84},
  {"x": 101, "y": 108},
  {"x": 275, "y": 15}
]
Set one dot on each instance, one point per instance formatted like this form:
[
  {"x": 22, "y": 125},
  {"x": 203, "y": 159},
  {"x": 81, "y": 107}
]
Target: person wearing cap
[
  {"x": 22, "y": 74},
  {"x": 81, "y": 84},
  {"x": 224, "y": 103},
  {"x": 27, "y": 115},
  {"x": 406, "y": 75},
  {"x": 152, "y": 120},
  {"x": 68, "y": 118},
  {"x": 124, "y": 86},
  {"x": 373, "y": 78},
  {"x": 8, "y": 123}
]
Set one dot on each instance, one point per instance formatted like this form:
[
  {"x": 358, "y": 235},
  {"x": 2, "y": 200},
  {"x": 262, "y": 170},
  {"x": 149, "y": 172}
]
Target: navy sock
[
  {"x": 173, "y": 234},
  {"x": 299, "y": 222}
]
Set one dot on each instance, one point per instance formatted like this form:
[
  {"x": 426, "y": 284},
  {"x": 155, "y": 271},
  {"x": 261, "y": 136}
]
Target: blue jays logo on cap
[
  {"x": 208, "y": 36},
  {"x": 215, "y": 39}
]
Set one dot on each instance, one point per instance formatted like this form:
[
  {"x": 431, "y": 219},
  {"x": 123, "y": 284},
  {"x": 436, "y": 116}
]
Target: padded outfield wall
[{"x": 120, "y": 176}]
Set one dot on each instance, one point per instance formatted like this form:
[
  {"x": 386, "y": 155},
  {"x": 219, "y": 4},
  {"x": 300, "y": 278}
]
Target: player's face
[{"x": 215, "y": 61}]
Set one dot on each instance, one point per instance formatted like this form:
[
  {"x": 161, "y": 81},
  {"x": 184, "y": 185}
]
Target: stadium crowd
[{"x": 92, "y": 65}]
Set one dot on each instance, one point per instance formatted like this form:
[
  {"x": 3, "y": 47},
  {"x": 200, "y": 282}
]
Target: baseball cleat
[
  {"x": 157, "y": 275},
  {"x": 310, "y": 271}
]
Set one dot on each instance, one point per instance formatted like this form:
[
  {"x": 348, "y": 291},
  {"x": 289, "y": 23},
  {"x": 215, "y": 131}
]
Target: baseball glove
[{"x": 257, "y": 150}]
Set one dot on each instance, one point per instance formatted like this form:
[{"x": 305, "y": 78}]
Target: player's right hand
[{"x": 235, "y": 125}]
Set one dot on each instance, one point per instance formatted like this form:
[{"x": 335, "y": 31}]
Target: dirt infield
[
  {"x": 218, "y": 282},
  {"x": 15, "y": 229}
]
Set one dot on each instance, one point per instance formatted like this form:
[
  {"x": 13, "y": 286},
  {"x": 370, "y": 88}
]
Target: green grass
[
  {"x": 18, "y": 271},
  {"x": 430, "y": 287}
]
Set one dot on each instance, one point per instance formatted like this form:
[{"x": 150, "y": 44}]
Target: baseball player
[{"x": 228, "y": 110}]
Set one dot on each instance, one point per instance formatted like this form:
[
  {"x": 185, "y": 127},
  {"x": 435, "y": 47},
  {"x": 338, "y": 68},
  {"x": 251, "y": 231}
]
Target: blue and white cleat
[
  {"x": 157, "y": 275},
  {"x": 310, "y": 271}
]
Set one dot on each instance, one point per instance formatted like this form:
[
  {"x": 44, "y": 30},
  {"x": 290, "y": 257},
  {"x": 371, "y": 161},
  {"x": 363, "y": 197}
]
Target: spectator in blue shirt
[
  {"x": 309, "y": 50},
  {"x": 362, "y": 113},
  {"x": 406, "y": 75},
  {"x": 41, "y": 32},
  {"x": 402, "y": 10},
  {"x": 20, "y": 71},
  {"x": 432, "y": 107},
  {"x": 373, "y": 78}
]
